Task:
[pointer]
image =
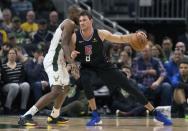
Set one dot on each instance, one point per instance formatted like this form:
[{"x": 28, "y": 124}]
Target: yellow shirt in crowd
[
  {"x": 29, "y": 27},
  {"x": 4, "y": 35}
]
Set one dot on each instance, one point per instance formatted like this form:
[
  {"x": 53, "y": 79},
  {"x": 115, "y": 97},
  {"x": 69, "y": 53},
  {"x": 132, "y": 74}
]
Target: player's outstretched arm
[{"x": 137, "y": 40}]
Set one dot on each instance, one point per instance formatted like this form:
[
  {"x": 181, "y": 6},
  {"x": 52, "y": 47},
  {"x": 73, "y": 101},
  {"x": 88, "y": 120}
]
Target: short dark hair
[
  {"x": 42, "y": 21},
  {"x": 86, "y": 13},
  {"x": 184, "y": 61}
]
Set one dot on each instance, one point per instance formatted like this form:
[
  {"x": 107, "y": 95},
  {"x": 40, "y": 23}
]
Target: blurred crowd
[{"x": 26, "y": 30}]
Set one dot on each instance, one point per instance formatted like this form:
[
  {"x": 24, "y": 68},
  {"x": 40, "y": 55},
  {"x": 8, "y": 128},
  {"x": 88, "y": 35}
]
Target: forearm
[
  {"x": 122, "y": 39},
  {"x": 67, "y": 53},
  {"x": 160, "y": 79},
  {"x": 126, "y": 38}
]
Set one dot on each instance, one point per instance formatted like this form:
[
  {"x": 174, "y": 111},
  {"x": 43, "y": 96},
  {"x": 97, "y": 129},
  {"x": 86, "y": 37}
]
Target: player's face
[{"x": 85, "y": 22}]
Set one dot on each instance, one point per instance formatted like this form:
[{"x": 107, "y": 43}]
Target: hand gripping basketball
[{"x": 138, "y": 40}]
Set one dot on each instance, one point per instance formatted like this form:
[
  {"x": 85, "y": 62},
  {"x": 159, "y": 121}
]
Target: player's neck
[{"x": 87, "y": 33}]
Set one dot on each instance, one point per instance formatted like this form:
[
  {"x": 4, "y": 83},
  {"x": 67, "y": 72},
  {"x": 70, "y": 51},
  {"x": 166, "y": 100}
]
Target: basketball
[{"x": 138, "y": 41}]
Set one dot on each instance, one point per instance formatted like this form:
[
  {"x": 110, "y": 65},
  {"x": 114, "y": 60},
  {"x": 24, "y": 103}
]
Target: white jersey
[
  {"x": 55, "y": 53},
  {"x": 54, "y": 62}
]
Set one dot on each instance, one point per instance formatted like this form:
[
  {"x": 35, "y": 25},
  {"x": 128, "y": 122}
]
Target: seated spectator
[
  {"x": 21, "y": 36},
  {"x": 36, "y": 75},
  {"x": 75, "y": 105},
  {"x": 126, "y": 56},
  {"x": 43, "y": 36},
  {"x": 54, "y": 21},
  {"x": 1, "y": 54},
  {"x": 13, "y": 78},
  {"x": 167, "y": 47},
  {"x": 4, "y": 52},
  {"x": 157, "y": 52},
  {"x": 1, "y": 96},
  {"x": 129, "y": 50},
  {"x": 172, "y": 65},
  {"x": 29, "y": 25},
  {"x": 180, "y": 82},
  {"x": 3, "y": 33},
  {"x": 125, "y": 104},
  {"x": 184, "y": 38},
  {"x": 22, "y": 55},
  {"x": 150, "y": 74},
  {"x": 12, "y": 40},
  {"x": 115, "y": 53},
  {"x": 181, "y": 46},
  {"x": 7, "y": 19}
]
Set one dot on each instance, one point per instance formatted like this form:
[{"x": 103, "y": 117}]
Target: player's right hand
[{"x": 74, "y": 54}]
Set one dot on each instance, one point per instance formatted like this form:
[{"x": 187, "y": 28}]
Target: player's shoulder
[{"x": 67, "y": 21}]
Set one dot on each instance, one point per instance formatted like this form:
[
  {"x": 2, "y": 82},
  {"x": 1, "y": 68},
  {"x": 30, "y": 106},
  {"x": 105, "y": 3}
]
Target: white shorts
[{"x": 59, "y": 77}]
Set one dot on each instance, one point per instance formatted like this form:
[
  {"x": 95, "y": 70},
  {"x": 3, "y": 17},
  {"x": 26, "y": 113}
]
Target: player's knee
[{"x": 56, "y": 91}]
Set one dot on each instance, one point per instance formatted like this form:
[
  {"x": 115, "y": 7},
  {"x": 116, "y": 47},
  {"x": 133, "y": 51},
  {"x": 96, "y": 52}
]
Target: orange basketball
[{"x": 138, "y": 42}]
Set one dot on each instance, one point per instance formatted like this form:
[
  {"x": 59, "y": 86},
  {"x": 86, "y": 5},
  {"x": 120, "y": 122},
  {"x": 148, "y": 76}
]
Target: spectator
[
  {"x": 130, "y": 54},
  {"x": 184, "y": 38},
  {"x": 5, "y": 49},
  {"x": 124, "y": 60},
  {"x": 171, "y": 66},
  {"x": 7, "y": 19},
  {"x": 22, "y": 55},
  {"x": 13, "y": 77},
  {"x": 180, "y": 82},
  {"x": 36, "y": 75},
  {"x": 30, "y": 26},
  {"x": 21, "y": 36},
  {"x": 43, "y": 36},
  {"x": 76, "y": 105},
  {"x": 12, "y": 40},
  {"x": 167, "y": 47},
  {"x": 150, "y": 74},
  {"x": 124, "y": 103},
  {"x": 181, "y": 46},
  {"x": 115, "y": 53},
  {"x": 3, "y": 33},
  {"x": 157, "y": 52},
  {"x": 54, "y": 21}
]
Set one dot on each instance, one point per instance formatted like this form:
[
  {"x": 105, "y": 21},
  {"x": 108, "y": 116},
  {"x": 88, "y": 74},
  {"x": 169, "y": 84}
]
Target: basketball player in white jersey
[{"x": 55, "y": 66}]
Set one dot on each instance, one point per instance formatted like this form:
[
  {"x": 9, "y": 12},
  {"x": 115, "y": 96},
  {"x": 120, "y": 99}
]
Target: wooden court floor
[{"x": 9, "y": 123}]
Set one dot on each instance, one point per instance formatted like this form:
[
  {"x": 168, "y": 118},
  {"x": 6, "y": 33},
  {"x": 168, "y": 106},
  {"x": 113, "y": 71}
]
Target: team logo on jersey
[
  {"x": 88, "y": 49},
  {"x": 56, "y": 77},
  {"x": 94, "y": 40},
  {"x": 80, "y": 41}
]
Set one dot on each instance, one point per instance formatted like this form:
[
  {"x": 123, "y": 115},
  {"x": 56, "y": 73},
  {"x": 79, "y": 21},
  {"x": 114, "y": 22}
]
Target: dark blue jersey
[{"x": 91, "y": 51}]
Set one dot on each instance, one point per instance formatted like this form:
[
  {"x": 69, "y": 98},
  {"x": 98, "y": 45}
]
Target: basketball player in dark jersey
[{"x": 89, "y": 52}]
